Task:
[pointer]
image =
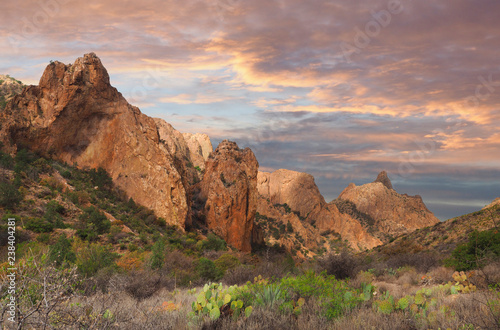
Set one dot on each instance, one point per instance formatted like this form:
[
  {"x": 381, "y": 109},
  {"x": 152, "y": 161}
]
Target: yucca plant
[{"x": 270, "y": 295}]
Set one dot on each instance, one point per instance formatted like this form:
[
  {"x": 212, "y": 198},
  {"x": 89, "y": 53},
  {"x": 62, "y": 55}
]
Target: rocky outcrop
[
  {"x": 76, "y": 116},
  {"x": 192, "y": 150},
  {"x": 9, "y": 87},
  {"x": 200, "y": 147},
  {"x": 392, "y": 213},
  {"x": 384, "y": 179},
  {"x": 229, "y": 192},
  {"x": 300, "y": 193}
]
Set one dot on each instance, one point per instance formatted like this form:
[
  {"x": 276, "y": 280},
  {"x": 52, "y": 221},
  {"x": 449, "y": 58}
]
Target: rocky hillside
[
  {"x": 364, "y": 216},
  {"x": 74, "y": 115},
  {"x": 443, "y": 237},
  {"x": 9, "y": 87},
  {"x": 387, "y": 211},
  {"x": 299, "y": 193}
]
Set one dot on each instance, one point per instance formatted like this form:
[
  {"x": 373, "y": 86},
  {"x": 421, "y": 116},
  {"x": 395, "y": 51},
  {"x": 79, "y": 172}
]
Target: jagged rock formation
[
  {"x": 76, "y": 116},
  {"x": 300, "y": 193},
  {"x": 384, "y": 179},
  {"x": 229, "y": 192},
  {"x": 392, "y": 213}
]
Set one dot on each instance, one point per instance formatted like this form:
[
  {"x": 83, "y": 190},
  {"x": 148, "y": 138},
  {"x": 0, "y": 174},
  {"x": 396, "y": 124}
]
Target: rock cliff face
[
  {"x": 229, "y": 192},
  {"x": 76, "y": 116},
  {"x": 391, "y": 212},
  {"x": 192, "y": 150},
  {"x": 299, "y": 191}
]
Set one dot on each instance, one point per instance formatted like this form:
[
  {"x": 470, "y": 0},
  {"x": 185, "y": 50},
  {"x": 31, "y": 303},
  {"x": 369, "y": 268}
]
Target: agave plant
[{"x": 270, "y": 295}]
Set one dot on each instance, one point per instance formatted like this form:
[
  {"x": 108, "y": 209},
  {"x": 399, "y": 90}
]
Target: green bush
[
  {"x": 94, "y": 257},
  {"x": 38, "y": 225},
  {"x": 9, "y": 195},
  {"x": 100, "y": 178},
  {"x": 6, "y": 161},
  {"x": 92, "y": 223},
  {"x": 207, "y": 270},
  {"x": 335, "y": 296},
  {"x": 481, "y": 248},
  {"x": 61, "y": 252},
  {"x": 214, "y": 243},
  {"x": 227, "y": 261}
]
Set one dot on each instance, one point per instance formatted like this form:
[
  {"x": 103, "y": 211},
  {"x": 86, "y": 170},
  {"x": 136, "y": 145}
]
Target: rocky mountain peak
[
  {"x": 384, "y": 179},
  {"x": 76, "y": 116},
  {"x": 392, "y": 213}
]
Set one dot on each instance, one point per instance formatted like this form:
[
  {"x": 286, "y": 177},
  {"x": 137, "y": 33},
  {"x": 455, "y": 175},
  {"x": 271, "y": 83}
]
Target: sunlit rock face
[{"x": 229, "y": 189}]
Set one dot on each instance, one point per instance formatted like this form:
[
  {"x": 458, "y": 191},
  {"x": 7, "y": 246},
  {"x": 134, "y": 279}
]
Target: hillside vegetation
[{"x": 90, "y": 257}]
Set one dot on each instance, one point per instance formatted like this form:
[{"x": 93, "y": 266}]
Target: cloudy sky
[{"x": 338, "y": 89}]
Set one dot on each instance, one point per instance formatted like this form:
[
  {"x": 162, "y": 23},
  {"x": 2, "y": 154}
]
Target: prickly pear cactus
[{"x": 214, "y": 297}]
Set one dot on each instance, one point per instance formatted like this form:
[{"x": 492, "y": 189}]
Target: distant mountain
[{"x": 390, "y": 213}]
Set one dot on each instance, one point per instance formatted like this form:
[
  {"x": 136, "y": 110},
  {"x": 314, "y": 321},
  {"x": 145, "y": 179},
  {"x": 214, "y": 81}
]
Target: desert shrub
[
  {"x": 334, "y": 296},
  {"x": 9, "y": 195},
  {"x": 340, "y": 265},
  {"x": 214, "y": 243},
  {"x": 422, "y": 262},
  {"x": 61, "y": 253},
  {"x": 207, "y": 270},
  {"x": 6, "y": 161},
  {"x": 100, "y": 178},
  {"x": 440, "y": 274},
  {"x": 43, "y": 238},
  {"x": 227, "y": 261},
  {"x": 40, "y": 292},
  {"x": 92, "y": 223},
  {"x": 38, "y": 225},
  {"x": 239, "y": 275},
  {"x": 142, "y": 284},
  {"x": 23, "y": 159},
  {"x": 93, "y": 257},
  {"x": 53, "y": 211},
  {"x": 158, "y": 257},
  {"x": 482, "y": 247}
]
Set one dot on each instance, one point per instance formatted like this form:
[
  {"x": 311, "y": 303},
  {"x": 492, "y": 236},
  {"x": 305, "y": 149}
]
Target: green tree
[{"x": 158, "y": 257}]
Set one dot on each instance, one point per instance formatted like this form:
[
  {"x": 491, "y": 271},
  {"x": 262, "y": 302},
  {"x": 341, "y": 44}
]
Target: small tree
[{"x": 158, "y": 258}]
